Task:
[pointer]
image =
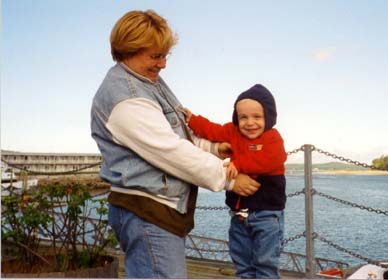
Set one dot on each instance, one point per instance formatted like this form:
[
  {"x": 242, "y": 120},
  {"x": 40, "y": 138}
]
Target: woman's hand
[
  {"x": 187, "y": 114},
  {"x": 224, "y": 150},
  {"x": 245, "y": 185},
  {"x": 231, "y": 170}
]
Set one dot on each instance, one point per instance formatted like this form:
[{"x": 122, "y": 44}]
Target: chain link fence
[
  {"x": 295, "y": 194},
  {"x": 315, "y": 235},
  {"x": 348, "y": 203}
]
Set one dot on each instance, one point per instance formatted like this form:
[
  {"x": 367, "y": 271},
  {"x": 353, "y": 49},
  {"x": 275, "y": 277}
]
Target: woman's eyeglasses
[{"x": 159, "y": 56}]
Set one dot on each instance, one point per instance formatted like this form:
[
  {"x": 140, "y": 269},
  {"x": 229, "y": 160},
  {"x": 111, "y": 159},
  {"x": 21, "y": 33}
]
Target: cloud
[{"x": 323, "y": 55}]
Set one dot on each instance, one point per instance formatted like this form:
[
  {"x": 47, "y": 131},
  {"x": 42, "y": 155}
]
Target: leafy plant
[
  {"x": 21, "y": 221},
  {"x": 67, "y": 217}
]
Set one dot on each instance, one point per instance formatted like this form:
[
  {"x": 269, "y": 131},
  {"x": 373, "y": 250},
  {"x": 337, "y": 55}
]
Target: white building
[{"x": 51, "y": 162}]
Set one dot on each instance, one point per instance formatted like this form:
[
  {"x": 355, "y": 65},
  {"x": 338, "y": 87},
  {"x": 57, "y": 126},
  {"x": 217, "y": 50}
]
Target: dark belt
[{"x": 241, "y": 218}]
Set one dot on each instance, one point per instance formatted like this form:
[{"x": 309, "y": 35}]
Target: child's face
[{"x": 251, "y": 119}]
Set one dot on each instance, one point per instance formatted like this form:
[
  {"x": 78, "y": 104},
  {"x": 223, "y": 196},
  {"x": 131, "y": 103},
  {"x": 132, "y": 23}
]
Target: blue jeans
[
  {"x": 255, "y": 244},
  {"x": 150, "y": 251}
]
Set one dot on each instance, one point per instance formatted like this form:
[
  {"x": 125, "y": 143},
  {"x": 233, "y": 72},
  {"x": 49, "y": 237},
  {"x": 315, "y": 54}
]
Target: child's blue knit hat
[{"x": 265, "y": 98}]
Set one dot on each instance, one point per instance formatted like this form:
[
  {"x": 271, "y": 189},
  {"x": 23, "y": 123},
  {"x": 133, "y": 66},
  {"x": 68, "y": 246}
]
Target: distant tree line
[{"x": 381, "y": 162}]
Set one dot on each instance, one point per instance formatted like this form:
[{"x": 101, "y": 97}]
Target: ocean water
[{"x": 362, "y": 232}]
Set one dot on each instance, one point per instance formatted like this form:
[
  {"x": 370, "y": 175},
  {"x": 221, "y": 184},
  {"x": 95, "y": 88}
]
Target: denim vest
[{"x": 121, "y": 166}]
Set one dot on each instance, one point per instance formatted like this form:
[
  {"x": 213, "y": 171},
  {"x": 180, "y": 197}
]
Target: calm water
[{"x": 360, "y": 231}]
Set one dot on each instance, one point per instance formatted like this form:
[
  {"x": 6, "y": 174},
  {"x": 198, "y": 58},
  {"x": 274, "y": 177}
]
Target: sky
[{"x": 326, "y": 62}]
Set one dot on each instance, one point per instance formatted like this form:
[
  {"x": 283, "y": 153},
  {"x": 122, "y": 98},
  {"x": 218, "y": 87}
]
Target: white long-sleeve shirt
[{"x": 140, "y": 124}]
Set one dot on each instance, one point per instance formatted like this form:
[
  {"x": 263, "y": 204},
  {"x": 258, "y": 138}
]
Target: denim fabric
[
  {"x": 150, "y": 251},
  {"x": 255, "y": 244},
  {"x": 121, "y": 166}
]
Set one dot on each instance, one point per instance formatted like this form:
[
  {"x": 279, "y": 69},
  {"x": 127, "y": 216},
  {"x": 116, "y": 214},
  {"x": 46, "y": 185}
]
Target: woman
[{"x": 148, "y": 154}]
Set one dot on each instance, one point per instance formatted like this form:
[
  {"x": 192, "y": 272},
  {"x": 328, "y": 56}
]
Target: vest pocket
[{"x": 172, "y": 118}]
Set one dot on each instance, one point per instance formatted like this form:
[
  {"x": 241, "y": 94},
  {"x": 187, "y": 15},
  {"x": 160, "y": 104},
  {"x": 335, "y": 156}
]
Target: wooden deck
[
  {"x": 197, "y": 268},
  {"x": 208, "y": 269}
]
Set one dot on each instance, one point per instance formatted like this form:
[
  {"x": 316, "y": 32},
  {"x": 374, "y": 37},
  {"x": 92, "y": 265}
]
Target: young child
[{"x": 257, "y": 223}]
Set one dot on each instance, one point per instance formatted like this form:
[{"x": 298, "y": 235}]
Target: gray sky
[{"x": 326, "y": 63}]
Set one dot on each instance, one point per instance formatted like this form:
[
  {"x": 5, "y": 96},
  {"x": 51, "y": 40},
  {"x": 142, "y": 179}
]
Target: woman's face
[{"x": 147, "y": 63}]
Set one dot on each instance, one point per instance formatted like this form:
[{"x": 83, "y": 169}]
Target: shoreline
[
  {"x": 342, "y": 172},
  {"x": 352, "y": 172}
]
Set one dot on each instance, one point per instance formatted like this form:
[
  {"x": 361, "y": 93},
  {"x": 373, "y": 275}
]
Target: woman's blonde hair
[{"x": 138, "y": 30}]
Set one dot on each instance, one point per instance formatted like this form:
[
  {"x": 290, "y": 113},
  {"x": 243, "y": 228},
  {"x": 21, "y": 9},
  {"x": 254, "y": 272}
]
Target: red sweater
[
  {"x": 262, "y": 158},
  {"x": 264, "y": 155}
]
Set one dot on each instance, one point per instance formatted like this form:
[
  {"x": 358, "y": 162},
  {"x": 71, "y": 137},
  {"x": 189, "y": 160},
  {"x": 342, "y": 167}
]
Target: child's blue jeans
[
  {"x": 255, "y": 244},
  {"x": 150, "y": 251}
]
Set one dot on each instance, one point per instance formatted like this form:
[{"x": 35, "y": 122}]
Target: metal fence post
[{"x": 308, "y": 183}]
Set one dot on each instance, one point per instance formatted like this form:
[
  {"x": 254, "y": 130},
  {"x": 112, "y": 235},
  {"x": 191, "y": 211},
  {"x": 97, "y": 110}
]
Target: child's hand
[
  {"x": 224, "y": 150},
  {"x": 231, "y": 171},
  {"x": 187, "y": 114}
]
